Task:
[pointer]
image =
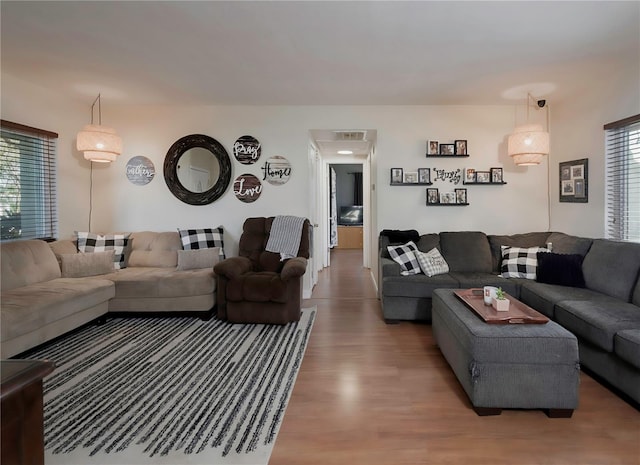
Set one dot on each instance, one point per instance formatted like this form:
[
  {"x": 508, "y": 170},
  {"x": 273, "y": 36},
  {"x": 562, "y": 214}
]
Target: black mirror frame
[{"x": 171, "y": 169}]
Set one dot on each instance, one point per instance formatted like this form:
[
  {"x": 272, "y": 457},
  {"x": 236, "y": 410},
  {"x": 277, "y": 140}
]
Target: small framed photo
[
  {"x": 447, "y": 149},
  {"x": 396, "y": 176},
  {"x": 469, "y": 176},
  {"x": 433, "y": 197},
  {"x": 432, "y": 147},
  {"x": 410, "y": 177},
  {"x": 461, "y": 196},
  {"x": 483, "y": 176},
  {"x": 448, "y": 198},
  {"x": 574, "y": 181},
  {"x": 461, "y": 147},
  {"x": 496, "y": 175},
  {"x": 424, "y": 175}
]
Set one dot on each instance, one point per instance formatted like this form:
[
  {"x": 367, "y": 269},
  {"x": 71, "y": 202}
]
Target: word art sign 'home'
[
  {"x": 140, "y": 171},
  {"x": 276, "y": 170},
  {"x": 247, "y": 188},
  {"x": 247, "y": 150}
]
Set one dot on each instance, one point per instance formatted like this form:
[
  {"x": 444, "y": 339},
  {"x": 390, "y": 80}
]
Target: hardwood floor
[{"x": 371, "y": 393}]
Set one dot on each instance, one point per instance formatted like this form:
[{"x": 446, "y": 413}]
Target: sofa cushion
[
  {"x": 403, "y": 255},
  {"x": 140, "y": 282},
  {"x": 33, "y": 306},
  {"x": 431, "y": 263},
  {"x": 466, "y": 251},
  {"x": 467, "y": 280},
  {"x": 80, "y": 265},
  {"x": 520, "y": 262},
  {"x": 27, "y": 262},
  {"x": 203, "y": 239},
  {"x": 636, "y": 294},
  {"x": 533, "y": 239},
  {"x": 416, "y": 285},
  {"x": 397, "y": 236},
  {"x": 597, "y": 322},
  {"x": 561, "y": 269},
  {"x": 154, "y": 249},
  {"x": 428, "y": 242},
  {"x": 612, "y": 268},
  {"x": 626, "y": 344},
  {"x": 89, "y": 242},
  {"x": 566, "y": 244},
  {"x": 198, "y": 259},
  {"x": 543, "y": 297}
]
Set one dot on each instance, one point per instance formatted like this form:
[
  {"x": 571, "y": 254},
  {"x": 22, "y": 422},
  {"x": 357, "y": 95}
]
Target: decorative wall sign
[
  {"x": 453, "y": 176},
  {"x": 140, "y": 170},
  {"x": 574, "y": 181},
  {"x": 247, "y": 150},
  {"x": 247, "y": 188},
  {"x": 276, "y": 170}
]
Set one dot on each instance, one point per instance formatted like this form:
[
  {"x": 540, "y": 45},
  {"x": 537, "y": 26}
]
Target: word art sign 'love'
[
  {"x": 247, "y": 150},
  {"x": 247, "y": 188},
  {"x": 140, "y": 171},
  {"x": 276, "y": 170}
]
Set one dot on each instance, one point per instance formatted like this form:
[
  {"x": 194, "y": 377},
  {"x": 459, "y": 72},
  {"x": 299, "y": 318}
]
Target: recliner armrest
[
  {"x": 293, "y": 268},
  {"x": 233, "y": 267}
]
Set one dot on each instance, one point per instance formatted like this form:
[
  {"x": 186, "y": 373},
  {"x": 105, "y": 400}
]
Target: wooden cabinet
[{"x": 349, "y": 237}]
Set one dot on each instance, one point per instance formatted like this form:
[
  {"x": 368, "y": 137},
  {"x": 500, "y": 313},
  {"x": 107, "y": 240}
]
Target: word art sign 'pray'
[{"x": 247, "y": 150}]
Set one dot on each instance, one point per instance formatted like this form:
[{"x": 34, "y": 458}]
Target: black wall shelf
[
  {"x": 484, "y": 183},
  {"x": 447, "y": 204},
  {"x": 447, "y": 156},
  {"x": 411, "y": 184}
]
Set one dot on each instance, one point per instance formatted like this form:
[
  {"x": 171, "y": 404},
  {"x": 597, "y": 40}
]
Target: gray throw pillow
[
  {"x": 80, "y": 265},
  {"x": 197, "y": 259}
]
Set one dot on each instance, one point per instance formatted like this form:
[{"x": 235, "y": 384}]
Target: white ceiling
[{"x": 324, "y": 53}]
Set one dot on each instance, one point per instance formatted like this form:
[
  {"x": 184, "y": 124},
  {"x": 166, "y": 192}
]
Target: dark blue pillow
[{"x": 561, "y": 269}]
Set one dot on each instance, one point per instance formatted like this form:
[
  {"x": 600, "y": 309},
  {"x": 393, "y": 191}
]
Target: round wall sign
[
  {"x": 140, "y": 170},
  {"x": 247, "y": 188},
  {"x": 247, "y": 150},
  {"x": 276, "y": 170}
]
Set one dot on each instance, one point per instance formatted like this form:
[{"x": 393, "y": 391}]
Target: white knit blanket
[{"x": 285, "y": 235}]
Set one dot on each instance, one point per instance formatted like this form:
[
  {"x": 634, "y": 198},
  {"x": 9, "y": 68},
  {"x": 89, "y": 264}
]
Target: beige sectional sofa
[{"x": 39, "y": 302}]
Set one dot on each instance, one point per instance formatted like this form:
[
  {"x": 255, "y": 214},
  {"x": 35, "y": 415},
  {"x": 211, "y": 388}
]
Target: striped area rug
[{"x": 170, "y": 391}]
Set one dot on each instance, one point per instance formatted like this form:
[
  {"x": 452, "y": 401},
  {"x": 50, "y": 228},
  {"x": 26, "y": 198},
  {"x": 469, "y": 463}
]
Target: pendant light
[
  {"x": 99, "y": 143},
  {"x": 529, "y": 143}
]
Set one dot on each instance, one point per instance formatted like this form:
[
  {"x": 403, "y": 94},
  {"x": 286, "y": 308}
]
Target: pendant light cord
[
  {"x": 548, "y": 175},
  {"x": 90, "y": 193}
]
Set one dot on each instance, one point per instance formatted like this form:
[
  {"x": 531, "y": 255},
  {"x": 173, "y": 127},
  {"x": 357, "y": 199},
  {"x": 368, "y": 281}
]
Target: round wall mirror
[{"x": 197, "y": 169}]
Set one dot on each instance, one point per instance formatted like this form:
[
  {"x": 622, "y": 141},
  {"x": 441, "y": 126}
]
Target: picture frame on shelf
[
  {"x": 447, "y": 149},
  {"x": 497, "y": 175},
  {"x": 410, "y": 177},
  {"x": 461, "y": 196},
  {"x": 433, "y": 196},
  {"x": 433, "y": 147},
  {"x": 483, "y": 177},
  {"x": 469, "y": 175},
  {"x": 424, "y": 175},
  {"x": 448, "y": 198},
  {"x": 460, "y": 147},
  {"x": 574, "y": 181},
  {"x": 396, "y": 175}
]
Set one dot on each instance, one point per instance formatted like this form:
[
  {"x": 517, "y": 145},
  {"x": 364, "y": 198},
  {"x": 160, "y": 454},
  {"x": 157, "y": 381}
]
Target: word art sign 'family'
[
  {"x": 276, "y": 170},
  {"x": 247, "y": 188},
  {"x": 140, "y": 171},
  {"x": 452, "y": 176},
  {"x": 247, "y": 150}
]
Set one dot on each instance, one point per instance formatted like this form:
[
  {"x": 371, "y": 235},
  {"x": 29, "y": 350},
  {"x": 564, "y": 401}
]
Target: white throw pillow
[{"x": 432, "y": 262}]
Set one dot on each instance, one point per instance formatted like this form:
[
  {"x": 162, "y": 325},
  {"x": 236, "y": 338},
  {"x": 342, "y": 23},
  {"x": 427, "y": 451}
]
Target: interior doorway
[{"x": 346, "y": 206}]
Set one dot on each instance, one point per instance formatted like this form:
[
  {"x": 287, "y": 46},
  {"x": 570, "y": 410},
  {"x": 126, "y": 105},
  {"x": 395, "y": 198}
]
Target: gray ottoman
[{"x": 520, "y": 366}]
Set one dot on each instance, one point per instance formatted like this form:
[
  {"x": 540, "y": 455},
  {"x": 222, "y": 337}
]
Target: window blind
[
  {"x": 623, "y": 179},
  {"x": 28, "y": 207}
]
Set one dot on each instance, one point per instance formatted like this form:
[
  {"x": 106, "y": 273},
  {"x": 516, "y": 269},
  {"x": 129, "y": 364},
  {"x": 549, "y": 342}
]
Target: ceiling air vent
[{"x": 350, "y": 135}]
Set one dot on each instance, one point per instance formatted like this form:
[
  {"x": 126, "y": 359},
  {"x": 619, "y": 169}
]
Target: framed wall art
[
  {"x": 432, "y": 147},
  {"x": 433, "y": 196},
  {"x": 461, "y": 147},
  {"x": 396, "y": 176},
  {"x": 574, "y": 181}
]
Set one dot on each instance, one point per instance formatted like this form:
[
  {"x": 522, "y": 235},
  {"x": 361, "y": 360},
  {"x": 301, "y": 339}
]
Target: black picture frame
[
  {"x": 469, "y": 175},
  {"x": 460, "y": 147},
  {"x": 573, "y": 179},
  {"x": 397, "y": 175},
  {"x": 461, "y": 196},
  {"x": 433, "y": 196},
  {"x": 424, "y": 175},
  {"x": 497, "y": 175},
  {"x": 447, "y": 149},
  {"x": 433, "y": 147},
  {"x": 483, "y": 177}
]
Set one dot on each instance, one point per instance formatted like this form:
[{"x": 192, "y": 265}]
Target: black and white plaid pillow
[
  {"x": 206, "y": 238},
  {"x": 432, "y": 262},
  {"x": 520, "y": 262},
  {"x": 405, "y": 257},
  {"x": 89, "y": 242}
]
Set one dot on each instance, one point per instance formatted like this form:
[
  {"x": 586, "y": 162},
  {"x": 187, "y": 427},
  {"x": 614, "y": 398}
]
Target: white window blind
[
  {"x": 28, "y": 207},
  {"x": 623, "y": 179}
]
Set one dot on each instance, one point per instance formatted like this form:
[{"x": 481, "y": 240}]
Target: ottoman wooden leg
[
  {"x": 486, "y": 411},
  {"x": 559, "y": 412}
]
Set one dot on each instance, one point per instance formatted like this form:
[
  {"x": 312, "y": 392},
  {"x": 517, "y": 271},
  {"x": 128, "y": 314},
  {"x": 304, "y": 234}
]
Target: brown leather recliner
[{"x": 256, "y": 287}]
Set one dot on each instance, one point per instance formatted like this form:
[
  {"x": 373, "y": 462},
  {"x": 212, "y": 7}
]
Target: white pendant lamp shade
[
  {"x": 99, "y": 143},
  {"x": 528, "y": 144}
]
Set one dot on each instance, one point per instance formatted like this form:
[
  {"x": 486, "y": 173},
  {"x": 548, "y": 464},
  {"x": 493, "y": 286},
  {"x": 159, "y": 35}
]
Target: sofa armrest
[
  {"x": 293, "y": 268},
  {"x": 233, "y": 267},
  {"x": 389, "y": 268}
]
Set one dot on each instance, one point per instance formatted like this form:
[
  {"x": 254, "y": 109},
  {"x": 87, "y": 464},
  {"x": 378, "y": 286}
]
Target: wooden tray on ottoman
[{"x": 518, "y": 313}]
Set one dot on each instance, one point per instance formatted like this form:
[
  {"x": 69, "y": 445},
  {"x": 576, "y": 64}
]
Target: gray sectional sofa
[
  {"x": 604, "y": 314},
  {"x": 50, "y": 289}
]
